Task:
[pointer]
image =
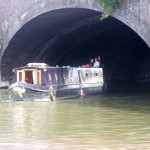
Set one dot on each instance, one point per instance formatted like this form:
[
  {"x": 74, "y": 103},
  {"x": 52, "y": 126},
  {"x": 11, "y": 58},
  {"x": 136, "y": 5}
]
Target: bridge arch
[{"x": 41, "y": 9}]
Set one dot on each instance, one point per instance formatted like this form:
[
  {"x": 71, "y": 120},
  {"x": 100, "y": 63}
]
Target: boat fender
[
  {"x": 83, "y": 93},
  {"x": 52, "y": 94},
  {"x": 19, "y": 91}
]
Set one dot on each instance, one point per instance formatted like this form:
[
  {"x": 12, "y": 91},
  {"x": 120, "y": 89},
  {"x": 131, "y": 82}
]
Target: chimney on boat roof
[{"x": 37, "y": 65}]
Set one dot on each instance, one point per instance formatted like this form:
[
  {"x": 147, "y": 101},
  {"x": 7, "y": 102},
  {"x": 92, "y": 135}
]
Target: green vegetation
[{"x": 107, "y": 6}]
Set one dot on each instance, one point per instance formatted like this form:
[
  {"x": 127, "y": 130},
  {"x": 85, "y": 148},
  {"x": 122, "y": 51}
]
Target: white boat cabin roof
[{"x": 37, "y": 65}]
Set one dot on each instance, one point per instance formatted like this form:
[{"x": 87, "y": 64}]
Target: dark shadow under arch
[{"x": 72, "y": 36}]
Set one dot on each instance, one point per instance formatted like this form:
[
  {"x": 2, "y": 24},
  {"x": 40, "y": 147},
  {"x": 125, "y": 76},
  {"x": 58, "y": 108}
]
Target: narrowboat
[{"x": 38, "y": 81}]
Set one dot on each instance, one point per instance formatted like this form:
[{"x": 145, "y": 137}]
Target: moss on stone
[{"x": 107, "y": 6}]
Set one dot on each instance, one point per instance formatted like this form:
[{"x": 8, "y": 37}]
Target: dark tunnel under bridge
[{"x": 73, "y": 36}]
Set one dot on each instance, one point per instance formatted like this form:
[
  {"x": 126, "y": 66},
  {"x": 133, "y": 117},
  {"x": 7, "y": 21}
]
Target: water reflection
[{"x": 107, "y": 121}]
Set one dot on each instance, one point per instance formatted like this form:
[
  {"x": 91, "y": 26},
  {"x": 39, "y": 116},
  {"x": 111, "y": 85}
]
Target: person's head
[
  {"x": 95, "y": 59},
  {"x": 99, "y": 57}
]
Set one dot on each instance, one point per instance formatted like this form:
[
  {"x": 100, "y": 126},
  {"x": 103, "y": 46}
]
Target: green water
[{"x": 102, "y": 122}]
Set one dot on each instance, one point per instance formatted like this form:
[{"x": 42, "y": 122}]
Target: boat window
[
  {"x": 20, "y": 76},
  {"x": 56, "y": 76},
  {"x": 38, "y": 77},
  {"x": 71, "y": 76},
  {"x": 50, "y": 77},
  {"x": 64, "y": 77}
]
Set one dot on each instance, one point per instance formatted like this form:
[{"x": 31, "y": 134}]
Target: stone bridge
[{"x": 70, "y": 32}]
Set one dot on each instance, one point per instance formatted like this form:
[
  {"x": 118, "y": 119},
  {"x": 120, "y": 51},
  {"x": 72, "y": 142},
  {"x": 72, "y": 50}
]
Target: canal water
[{"x": 109, "y": 121}]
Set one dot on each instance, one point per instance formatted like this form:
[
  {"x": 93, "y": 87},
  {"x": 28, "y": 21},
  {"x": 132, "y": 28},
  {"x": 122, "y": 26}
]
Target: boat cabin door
[{"x": 30, "y": 76}]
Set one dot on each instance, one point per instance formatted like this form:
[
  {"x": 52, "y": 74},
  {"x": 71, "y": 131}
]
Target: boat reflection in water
[{"x": 38, "y": 81}]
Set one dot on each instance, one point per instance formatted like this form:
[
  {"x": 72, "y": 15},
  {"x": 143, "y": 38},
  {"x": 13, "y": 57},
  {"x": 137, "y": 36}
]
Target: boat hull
[{"x": 24, "y": 92}]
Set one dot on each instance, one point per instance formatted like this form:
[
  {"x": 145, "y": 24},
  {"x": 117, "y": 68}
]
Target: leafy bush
[{"x": 107, "y": 6}]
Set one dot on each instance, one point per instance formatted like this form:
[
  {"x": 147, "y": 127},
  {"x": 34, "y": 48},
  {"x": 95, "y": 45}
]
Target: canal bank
[{"x": 4, "y": 93}]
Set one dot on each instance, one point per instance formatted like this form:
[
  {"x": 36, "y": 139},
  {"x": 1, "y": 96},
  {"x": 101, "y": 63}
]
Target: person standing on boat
[
  {"x": 91, "y": 63},
  {"x": 99, "y": 60},
  {"x": 96, "y": 63}
]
